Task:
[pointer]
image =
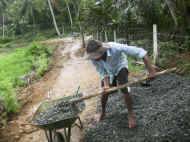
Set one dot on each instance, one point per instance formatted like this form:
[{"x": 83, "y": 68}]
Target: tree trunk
[
  {"x": 172, "y": 11},
  {"x": 80, "y": 27},
  {"x": 82, "y": 35},
  {"x": 186, "y": 14},
  {"x": 69, "y": 12},
  {"x": 3, "y": 26},
  {"x": 97, "y": 35},
  {"x": 54, "y": 20},
  {"x": 63, "y": 31},
  {"x": 33, "y": 22},
  {"x": 101, "y": 36}
]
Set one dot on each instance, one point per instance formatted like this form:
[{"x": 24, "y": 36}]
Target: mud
[{"x": 162, "y": 112}]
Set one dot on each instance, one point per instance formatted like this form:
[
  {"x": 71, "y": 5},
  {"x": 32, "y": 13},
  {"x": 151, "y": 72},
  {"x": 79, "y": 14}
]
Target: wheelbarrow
[{"x": 51, "y": 116}]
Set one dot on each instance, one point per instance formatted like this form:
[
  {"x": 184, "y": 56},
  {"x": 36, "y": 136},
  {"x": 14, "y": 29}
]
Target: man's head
[{"x": 95, "y": 49}]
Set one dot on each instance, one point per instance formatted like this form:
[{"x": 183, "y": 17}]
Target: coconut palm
[
  {"x": 3, "y": 4},
  {"x": 53, "y": 17},
  {"x": 172, "y": 9}
]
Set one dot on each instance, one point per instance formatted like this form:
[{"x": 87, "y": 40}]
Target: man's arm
[
  {"x": 149, "y": 66},
  {"x": 139, "y": 53},
  {"x": 103, "y": 74},
  {"x": 130, "y": 50},
  {"x": 106, "y": 82}
]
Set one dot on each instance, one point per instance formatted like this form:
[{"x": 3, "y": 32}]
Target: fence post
[
  {"x": 155, "y": 44},
  {"x": 106, "y": 36},
  {"x": 97, "y": 35},
  {"x": 114, "y": 35},
  {"x": 3, "y": 26}
]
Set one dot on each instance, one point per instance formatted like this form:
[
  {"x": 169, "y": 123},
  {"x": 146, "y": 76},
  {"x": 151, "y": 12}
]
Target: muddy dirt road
[
  {"x": 162, "y": 109},
  {"x": 68, "y": 72}
]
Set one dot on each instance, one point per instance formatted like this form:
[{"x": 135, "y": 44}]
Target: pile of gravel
[
  {"x": 57, "y": 110},
  {"x": 162, "y": 113}
]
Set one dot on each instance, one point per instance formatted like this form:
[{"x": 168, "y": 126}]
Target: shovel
[{"x": 146, "y": 79}]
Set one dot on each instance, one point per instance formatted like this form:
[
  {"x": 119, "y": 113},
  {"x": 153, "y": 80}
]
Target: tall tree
[
  {"x": 69, "y": 12},
  {"x": 172, "y": 9},
  {"x": 53, "y": 17},
  {"x": 3, "y": 4}
]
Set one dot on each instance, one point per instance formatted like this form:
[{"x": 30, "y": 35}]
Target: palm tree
[
  {"x": 78, "y": 8},
  {"x": 69, "y": 12},
  {"x": 27, "y": 12},
  {"x": 172, "y": 10},
  {"x": 3, "y": 4},
  {"x": 53, "y": 17}
]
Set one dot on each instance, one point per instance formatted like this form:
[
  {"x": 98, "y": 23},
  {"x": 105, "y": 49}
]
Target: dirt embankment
[
  {"x": 67, "y": 73},
  {"x": 31, "y": 97}
]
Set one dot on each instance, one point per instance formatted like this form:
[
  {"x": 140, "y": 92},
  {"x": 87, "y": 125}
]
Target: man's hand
[
  {"x": 106, "y": 83},
  {"x": 150, "y": 68},
  {"x": 106, "y": 87},
  {"x": 152, "y": 73}
]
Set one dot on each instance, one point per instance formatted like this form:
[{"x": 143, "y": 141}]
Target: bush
[
  {"x": 17, "y": 64},
  {"x": 186, "y": 45},
  {"x": 8, "y": 96},
  {"x": 41, "y": 55},
  {"x": 38, "y": 50},
  {"x": 9, "y": 99},
  {"x": 5, "y": 40},
  {"x": 42, "y": 65}
]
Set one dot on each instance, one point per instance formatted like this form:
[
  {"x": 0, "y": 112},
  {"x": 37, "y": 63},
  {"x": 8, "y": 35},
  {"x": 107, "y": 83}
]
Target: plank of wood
[{"x": 120, "y": 87}]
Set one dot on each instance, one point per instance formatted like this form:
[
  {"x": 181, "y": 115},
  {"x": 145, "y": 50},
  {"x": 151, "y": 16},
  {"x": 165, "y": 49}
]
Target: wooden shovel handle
[{"x": 121, "y": 86}]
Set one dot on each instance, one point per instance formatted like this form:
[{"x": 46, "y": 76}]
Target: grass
[
  {"x": 172, "y": 54},
  {"x": 10, "y": 43},
  {"x": 19, "y": 55},
  {"x": 18, "y": 63},
  {"x": 134, "y": 68}
]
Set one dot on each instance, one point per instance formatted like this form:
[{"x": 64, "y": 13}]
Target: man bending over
[{"x": 111, "y": 63}]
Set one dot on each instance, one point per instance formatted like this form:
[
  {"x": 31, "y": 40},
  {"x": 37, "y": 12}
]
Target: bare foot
[
  {"x": 131, "y": 120},
  {"x": 99, "y": 117},
  {"x": 102, "y": 116}
]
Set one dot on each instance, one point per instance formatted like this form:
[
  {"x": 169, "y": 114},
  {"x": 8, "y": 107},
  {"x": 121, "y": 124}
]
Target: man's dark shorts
[{"x": 120, "y": 79}]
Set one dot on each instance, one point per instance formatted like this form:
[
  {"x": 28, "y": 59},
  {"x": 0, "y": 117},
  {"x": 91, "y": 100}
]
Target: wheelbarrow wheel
[{"x": 59, "y": 137}]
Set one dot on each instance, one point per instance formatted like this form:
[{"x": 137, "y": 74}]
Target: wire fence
[{"x": 158, "y": 43}]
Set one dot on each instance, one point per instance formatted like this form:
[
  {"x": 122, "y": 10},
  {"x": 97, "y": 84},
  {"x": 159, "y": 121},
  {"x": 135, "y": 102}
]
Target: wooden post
[
  {"x": 114, "y": 35},
  {"x": 63, "y": 32},
  {"x": 155, "y": 44},
  {"x": 3, "y": 26},
  {"x": 106, "y": 36},
  {"x": 97, "y": 35},
  {"x": 82, "y": 35}
]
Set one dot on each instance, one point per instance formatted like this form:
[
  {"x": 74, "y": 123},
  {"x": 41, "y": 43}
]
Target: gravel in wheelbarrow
[
  {"x": 162, "y": 112},
  {"x": 58, "y": 113}
]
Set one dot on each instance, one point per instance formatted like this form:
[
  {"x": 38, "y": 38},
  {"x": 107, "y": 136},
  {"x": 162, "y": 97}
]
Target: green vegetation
[
  {"x": 134, "y": 68},
  {"x": 15, "y": 65},
  {"x": 175, "y": 54},
  {"x": 23, "y": 40},
  {"x": 25, "y": 21},
  {"x": 95, "y": 16}
]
